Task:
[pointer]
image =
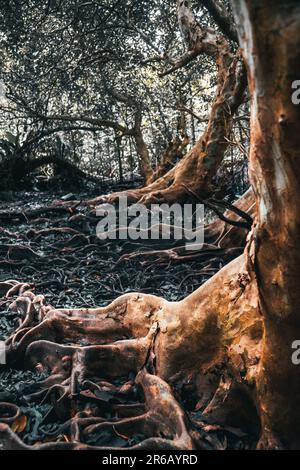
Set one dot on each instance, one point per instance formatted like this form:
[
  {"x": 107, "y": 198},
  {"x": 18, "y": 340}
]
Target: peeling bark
[{"x": 270, "y": 37}]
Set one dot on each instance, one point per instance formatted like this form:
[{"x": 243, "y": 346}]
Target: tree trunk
[
  {"x": 142, "y": 150},
  {"x": 61, "y": 164},
  {"x": 119, "y": 158},
  {"x": 270, "y": 37},
  {"x": 174, "y": 152}
]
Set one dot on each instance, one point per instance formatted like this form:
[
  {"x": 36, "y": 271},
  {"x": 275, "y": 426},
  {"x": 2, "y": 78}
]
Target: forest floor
[{"x": 74, "y": 268}]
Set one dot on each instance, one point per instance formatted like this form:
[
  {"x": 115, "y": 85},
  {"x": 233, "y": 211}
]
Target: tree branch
[
  {"x": 221, "y": 18},
  {"x": 181, "y": 62},
  {"x": 197, "y": 38},
  {"x": 94, "y": 121}
]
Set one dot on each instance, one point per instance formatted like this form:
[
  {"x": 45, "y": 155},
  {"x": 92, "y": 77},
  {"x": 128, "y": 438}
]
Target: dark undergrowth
[{"x": 73, "y": 268}]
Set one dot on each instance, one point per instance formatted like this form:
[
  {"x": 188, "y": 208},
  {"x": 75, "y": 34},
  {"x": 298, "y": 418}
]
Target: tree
[
  {"x": 273, "y": 66},
  {"x": 65, "y": 60},
  {"x": 229, "y": 344},
  {"x": 204, "y": 159}
]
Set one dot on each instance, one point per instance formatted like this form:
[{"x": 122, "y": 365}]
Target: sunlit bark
[{"x": 270, "y": 37}]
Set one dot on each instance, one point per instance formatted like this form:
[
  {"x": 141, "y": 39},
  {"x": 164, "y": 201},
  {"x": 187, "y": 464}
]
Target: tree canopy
[{"x": 89, "y": 82}]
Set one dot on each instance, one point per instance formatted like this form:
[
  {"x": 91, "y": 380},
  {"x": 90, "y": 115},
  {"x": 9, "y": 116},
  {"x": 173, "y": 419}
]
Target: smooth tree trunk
[
  {"x": 144, "y": 158},
  {"x": 270, "y": 38}
]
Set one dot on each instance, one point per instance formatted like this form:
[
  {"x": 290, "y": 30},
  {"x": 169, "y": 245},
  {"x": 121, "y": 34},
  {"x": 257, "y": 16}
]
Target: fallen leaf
[{"x": 19, "y": 424}]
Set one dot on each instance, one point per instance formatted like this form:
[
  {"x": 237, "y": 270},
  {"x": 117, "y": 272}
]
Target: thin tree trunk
[
  {"x": 119, "y": 158},
  {"x": 142, "y": 150}
]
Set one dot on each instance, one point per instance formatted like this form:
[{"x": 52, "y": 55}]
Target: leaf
[
  {"x": 11, "y": 138},
  {"x": 19, "y": 424}
]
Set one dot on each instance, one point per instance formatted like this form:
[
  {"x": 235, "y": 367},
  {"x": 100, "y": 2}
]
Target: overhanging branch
[{"x": 221, "y": 18}]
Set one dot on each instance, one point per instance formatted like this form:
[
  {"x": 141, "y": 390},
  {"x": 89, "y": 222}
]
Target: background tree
[{"x": 92, "y": 71}]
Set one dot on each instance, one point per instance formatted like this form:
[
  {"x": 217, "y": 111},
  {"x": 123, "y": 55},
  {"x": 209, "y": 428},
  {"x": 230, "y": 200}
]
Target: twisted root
[{"x": 123, "y": 369}]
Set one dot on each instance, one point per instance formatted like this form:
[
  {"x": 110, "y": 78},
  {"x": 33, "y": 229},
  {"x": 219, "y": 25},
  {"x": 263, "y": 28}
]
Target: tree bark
[
  {"x": 270, "y": 37},
  {"x": 175, "y": 151},
  {"x": 142, "y": 149}
]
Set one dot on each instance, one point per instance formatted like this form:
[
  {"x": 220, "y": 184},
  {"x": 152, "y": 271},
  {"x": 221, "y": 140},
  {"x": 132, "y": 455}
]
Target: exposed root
[
  {"x": 130, "y": 359},
  {"x": 163, "y": 424},
  {"x": 221, "y": 239}
]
